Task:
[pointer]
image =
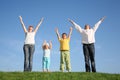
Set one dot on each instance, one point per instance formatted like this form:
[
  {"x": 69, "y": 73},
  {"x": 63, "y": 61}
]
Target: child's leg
[
  {"x": 62, "y": 60},
  {"x": 67, "y": 60},
  {"x": 44, "y": 64},
  {"x": 48, "y": 64}
]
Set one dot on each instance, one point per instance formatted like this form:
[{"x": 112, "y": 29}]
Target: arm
[
  {"x": 76, "y": 25},
  {"x": 24, "y": 28},
  {"x": 69, "y": 35},
  {"x": 50, "y": 45},
  {"x": 98, "y": 23},
  {"x": 57, "y": 32},
  {"x": 37, "y": 27}
]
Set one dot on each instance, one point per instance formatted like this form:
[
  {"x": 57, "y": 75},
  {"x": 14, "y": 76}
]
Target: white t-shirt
[
  {"x": 88, "y": 36},
  {"x": 46, "y": 53},
  {"x": 29, "y": 38}
]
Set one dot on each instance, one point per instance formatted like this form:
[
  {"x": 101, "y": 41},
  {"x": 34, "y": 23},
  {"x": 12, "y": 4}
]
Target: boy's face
[{"x": 64, "y": 36}]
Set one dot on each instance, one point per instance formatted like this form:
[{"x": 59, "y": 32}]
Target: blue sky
[{"x": 56, "y": 13}]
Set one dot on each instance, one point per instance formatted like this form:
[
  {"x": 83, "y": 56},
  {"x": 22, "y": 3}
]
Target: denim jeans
[
  {"x": 28, "y": 56},
  {"x": 89, "y": 55}
]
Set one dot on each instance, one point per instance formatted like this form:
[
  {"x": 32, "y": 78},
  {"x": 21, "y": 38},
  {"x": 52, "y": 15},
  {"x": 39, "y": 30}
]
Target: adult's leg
[
  {"x": 92, "y": 57},
  {"x": 26, "y": 57},
  {"x": 31, "y": 52},
  {"x": 86, "y": 57}
]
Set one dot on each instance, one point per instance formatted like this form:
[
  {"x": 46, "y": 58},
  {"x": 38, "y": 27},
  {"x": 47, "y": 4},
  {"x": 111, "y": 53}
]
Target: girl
[{"x": 46, "y": 55}]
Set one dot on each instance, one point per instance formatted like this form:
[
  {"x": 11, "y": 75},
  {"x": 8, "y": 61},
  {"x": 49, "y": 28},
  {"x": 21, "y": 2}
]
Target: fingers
[
  {"x": 69, "y": 20},
  {"x": 42, "y": 19},
  {"x": 50, "y": 42},
  {"x": 103, "y": 18},
  {"x": 20, "y": 17},
  {"x": 56, "y": 29},
  {"x": 44, "y": 41},
  {"x": 71, "y": 28}
]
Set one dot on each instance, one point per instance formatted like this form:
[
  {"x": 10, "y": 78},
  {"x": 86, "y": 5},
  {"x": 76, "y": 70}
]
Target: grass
[{"x": 57, "y": 76}]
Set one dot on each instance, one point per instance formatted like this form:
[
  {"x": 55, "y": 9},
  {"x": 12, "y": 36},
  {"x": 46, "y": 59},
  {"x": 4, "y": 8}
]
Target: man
[{"x": 88, "y": 40}]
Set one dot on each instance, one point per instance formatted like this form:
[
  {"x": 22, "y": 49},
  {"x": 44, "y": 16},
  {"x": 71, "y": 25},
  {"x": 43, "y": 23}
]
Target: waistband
[
  {"x": 64, "y": 50},
  {"x": 88, "y": 44},
  {"x": 29, "y": 44}
]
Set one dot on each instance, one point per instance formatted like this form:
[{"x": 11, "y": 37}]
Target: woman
[{"x": 29, "y": 44}]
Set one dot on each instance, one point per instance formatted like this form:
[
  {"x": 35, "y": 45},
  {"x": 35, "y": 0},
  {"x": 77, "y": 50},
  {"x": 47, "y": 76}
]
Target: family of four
[{"x": 88, "y": 40}]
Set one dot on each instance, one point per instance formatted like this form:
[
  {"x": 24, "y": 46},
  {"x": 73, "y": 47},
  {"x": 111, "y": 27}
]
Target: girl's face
[
  {"x": 30, "y": 29},
  {"x": 46, "y": 47}
]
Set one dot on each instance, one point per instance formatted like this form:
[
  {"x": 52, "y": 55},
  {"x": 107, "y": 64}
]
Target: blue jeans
[
  {"x": 89, "y": 55},
  {"x": 28, "y": 56}
]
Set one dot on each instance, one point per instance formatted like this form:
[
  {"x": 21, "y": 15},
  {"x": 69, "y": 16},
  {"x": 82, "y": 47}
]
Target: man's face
[{"x": 87, "y": 27}]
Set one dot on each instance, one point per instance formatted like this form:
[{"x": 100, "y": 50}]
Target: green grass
[{"x": 57, "y": 76}]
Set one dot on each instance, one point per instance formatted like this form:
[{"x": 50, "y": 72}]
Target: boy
[
  {"x": 46, "y": 55},
  {"x": 64, "y": 50}
]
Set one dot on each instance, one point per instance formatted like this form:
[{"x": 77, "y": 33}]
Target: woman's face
[{"x": 30, "y": 29}]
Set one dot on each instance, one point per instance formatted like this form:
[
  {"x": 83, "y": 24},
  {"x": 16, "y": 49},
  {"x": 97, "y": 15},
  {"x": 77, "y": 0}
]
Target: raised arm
[
  {"x": 23, "y": 25},
  {"x": 98, "y": 23},
  {"x": 75, "y": 25},
  {"x": 37, "y": 27},
  {"x": 57, "y": 32},
  {"x": 69, "y": 35},
  {"x": 50, "y": 45}
]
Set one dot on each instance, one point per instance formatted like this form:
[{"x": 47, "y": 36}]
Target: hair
[
  {"x": 31, "y": 26},
  {"x": 64, "y": 34},
  {"x": 86, "y": 26}
]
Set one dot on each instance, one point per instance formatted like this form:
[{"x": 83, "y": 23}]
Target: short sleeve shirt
[{"x": 64, "y": 44}]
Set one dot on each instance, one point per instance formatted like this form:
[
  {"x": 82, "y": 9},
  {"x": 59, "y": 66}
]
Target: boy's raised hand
[{"x": 56, "y": 30}]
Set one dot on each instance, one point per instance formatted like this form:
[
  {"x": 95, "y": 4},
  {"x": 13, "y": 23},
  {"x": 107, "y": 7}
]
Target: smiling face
[
  {"x": 64, "y": 35},
  {"x": 30, "y": 28},
  {"x": 87, "y": 26}
]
